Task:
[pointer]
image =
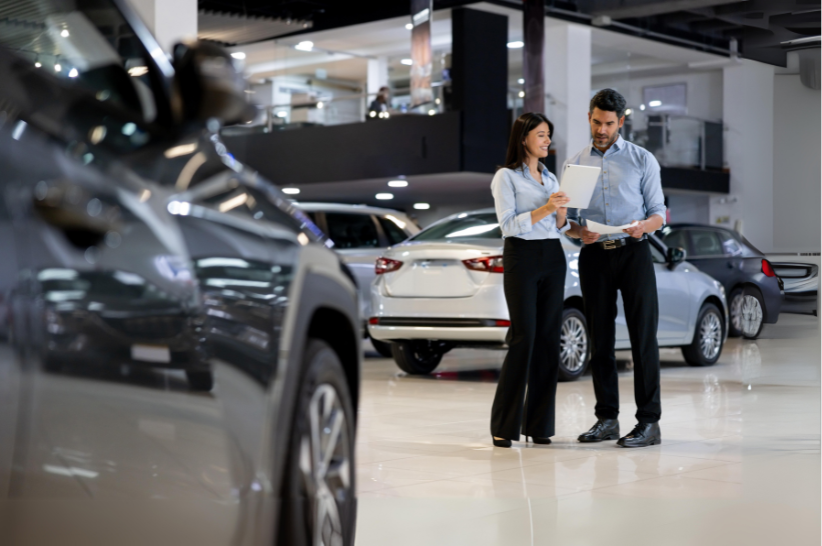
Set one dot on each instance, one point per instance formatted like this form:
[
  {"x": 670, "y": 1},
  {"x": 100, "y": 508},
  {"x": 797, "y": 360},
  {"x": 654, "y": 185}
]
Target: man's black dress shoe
[
  {"x": 604, "y": 429},
  {"x": 643, "y": 435}
]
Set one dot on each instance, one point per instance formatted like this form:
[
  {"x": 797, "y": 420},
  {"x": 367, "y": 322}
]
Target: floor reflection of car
[
  {"x": 360, "y": 236},
  {"x": 754, "y": 289},
  {"x": 132, "y": 239},
  {"x": 100, "y": 317},
  {"x": 443, "y": 289}
]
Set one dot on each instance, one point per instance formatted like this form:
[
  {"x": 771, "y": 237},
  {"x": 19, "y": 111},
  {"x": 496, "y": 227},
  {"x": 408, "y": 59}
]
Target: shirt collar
[
  {"x": 616, "y": 146},
  {"x": 542, "y": 168}
]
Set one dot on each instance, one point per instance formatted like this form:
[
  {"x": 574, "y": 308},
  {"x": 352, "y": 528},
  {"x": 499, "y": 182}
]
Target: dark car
[
  {"x": 182, "y": 360},
  {"x": 755, "y": 292}
]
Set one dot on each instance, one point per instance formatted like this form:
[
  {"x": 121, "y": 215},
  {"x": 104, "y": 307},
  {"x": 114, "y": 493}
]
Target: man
[
  {"x": 628, "y": 192},
  {"x": 379, "y": 106}
]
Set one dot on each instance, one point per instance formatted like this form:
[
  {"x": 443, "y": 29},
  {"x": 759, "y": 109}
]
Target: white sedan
[{"x": 443, "y": 289}]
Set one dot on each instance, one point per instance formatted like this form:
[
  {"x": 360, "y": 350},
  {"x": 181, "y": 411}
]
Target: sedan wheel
[
  {"x": 419, "y": 356},
  {"x": 574, "y": 345},
  {"x": 706, "y": 346},
  {"x": 735, "y": 313},
  {"x": 751, "y": 316}
]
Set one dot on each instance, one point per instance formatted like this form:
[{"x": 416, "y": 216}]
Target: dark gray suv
[{"x": 180, "y": 355}]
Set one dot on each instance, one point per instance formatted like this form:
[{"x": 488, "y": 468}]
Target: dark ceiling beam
[{"x": 630, "y": 9}]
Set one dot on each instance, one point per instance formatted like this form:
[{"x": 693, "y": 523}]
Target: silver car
[
  {"x": 361, "y": 235},
  {"x": 443, "y": 289}
]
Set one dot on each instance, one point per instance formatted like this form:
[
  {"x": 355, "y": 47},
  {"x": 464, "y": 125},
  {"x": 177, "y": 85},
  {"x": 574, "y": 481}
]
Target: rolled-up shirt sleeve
[
  {"x": 652, "y": 189},
  {"x": 505, "y": 203}
]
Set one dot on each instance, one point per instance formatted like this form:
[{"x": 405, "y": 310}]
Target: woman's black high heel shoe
[
  {"x": 543, "y": 441},
  {"x": 501, "y": 443}
]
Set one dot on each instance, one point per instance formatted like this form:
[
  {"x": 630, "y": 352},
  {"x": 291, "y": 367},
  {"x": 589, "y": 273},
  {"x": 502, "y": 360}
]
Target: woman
[{"x": 531, "y": 213}]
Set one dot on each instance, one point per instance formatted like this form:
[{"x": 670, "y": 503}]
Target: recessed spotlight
[
  {"x": 422, "y": 206},
  {"x": 291, "y": 191},
  {"x": 307, "y": 45},
  {"x": 57, "y": 67},
  {"x": 521, "y": 81},
  {"x": 73, "y": 73},
  {"x": 398, "y": 183},
  {"x": 320, "y": 105},
  {"x": 282, "y": 114},
  {"x": 64, "y": 33},
  {"x": 628, "y": 112},
  {"x": 407, "y": 62},
  {"x": 409, "y": 26},
  {"x": 384, "y": 196},
  {"x": 642, "y": 107},
  {"x": 38, "y": 64},
  {"x": 515, "y": 45},
  {"x": 655, "y": 103},
  {"x": 521, "y": 94},
  {"x": 239, "y": 55},
  {"x": 432, "y": 112}
]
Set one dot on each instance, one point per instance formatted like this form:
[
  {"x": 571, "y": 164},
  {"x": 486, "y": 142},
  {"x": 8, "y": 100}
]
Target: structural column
[
  {"x": 171, "y": 21},
  {"x": 568, "y": 87},
  {"x": 377, "y": 76},
  {"x": 533, "y": 63},
  {"x": 747, "y": 108}
]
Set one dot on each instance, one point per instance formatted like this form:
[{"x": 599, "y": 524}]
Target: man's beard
[{"x": 608, "y": 143}]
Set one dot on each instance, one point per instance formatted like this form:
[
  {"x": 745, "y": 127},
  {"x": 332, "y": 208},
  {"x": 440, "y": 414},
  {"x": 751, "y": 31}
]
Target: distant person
[
  {"x": 531, "y": 213},
  {"x": 629, "y": 191},
  {"x": 379, "y": 106}
]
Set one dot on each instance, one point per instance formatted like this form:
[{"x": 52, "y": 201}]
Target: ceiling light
[
  {"x": 320, "y": 105},
  {"x": 655, "y": 103},
  {"x": 38, "y": 64},
  {"x": 64, "y": 33},
  {"x": 432, "y": 112},
  {"x": 182, "y": 149},
  {"x": 407, "y": 62},
  {"x": 409, "y": 26},
  {"x": 384, "y": 196},
  {"x": 239, "y": 55},
  {"x": 291, "y": 191},
  {"x": 73, "y": 73},
  {"x": 57, "y": 67},
  {"x": 515, "y": 45},
  {"x": 422, "y": 206},
  {"x": 521, "y": 81},
  {"x": 521, "y": 94},
  {"x": 282, "y": 114},
  {"x": 628, "y": 112},
  {"x": 642, "y": 107},
  {"x": 305, "y": 46},
  {"x": 398, "y": 183},
  {"x": 136, "y": 71}
]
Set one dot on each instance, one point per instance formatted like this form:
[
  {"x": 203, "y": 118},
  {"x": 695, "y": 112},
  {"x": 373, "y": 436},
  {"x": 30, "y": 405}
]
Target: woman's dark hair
[
  {"x": 608, "y": 100},
  {"x": 516, "y": 154}
]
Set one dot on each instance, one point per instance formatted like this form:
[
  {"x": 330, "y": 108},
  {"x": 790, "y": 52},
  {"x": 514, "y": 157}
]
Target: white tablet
[{"x": 578, "y": 183}]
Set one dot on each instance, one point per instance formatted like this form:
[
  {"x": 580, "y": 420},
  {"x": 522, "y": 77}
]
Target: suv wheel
[
  {"x": 575, "y": 348},
  {"x": 418, "y": 356},
  {"x": 706, "y": 347},
  {"x": 382, "y": 347},
  {"x": 319, "y": 503}
]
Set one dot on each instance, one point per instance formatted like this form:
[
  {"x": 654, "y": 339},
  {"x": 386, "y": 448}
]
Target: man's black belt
[{"x": 611, "y": 244}]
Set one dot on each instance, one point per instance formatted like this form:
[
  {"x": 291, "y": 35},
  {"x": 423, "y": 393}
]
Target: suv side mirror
[
  {"x": 207, "y": 86},
  {"x": 675, "y": 255}
]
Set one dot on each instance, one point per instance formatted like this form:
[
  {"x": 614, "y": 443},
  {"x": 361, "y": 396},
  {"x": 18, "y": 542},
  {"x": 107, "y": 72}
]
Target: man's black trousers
[
  {"x": 534, "y": 290},
  {"x": 630, "y": 270}
]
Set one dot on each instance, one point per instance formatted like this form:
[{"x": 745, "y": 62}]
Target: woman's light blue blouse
[{"x": 516, "y": 194}]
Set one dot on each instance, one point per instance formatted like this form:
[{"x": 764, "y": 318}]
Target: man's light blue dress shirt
[
  {"x": 629, "y": 187},
  {"x": 516, "y": 194}
]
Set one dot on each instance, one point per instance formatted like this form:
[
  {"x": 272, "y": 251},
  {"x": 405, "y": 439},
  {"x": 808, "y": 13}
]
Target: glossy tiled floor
[{"x": 739, "y": 463}]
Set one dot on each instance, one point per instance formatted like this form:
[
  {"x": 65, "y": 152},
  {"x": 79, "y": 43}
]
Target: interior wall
[
  {"x": 689, "y": 209},
  {"x": 797, "y": 195}
]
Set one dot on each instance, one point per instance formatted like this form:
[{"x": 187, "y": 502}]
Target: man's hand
[
  {"x": 637, "y": 229},
  {"x": 589, "y": 237}
]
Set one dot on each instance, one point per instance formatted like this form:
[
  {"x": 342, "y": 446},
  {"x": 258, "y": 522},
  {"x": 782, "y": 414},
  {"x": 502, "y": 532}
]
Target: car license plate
[{"x": 151, "y": 353}]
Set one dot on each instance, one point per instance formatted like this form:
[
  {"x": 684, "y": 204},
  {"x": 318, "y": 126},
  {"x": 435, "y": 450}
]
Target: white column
[
  {"x": 568, "y": 86},
  {"x": 377, "y": 75},
  {"x": 171, "y": 21},
  {"x": 747, "y": 112}
]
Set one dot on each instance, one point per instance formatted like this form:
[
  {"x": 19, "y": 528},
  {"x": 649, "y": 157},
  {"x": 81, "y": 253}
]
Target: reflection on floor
[{"x": 739, "y": 463}]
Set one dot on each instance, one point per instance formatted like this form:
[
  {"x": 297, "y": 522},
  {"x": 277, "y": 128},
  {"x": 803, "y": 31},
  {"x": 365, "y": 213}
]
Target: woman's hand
[{"x": 556, "y": 201}]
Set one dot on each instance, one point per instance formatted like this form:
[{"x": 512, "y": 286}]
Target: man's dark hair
[{"x": 608, "y": 100}]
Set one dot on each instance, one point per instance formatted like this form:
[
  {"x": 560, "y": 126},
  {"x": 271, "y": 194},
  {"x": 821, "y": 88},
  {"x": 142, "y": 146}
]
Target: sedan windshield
[{"x": 464, "y": 226}]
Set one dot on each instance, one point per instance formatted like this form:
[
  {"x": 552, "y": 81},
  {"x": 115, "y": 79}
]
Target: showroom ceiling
[{"x": 764, "y": 30}]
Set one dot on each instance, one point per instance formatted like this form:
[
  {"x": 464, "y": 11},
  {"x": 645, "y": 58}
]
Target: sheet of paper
[
  {"x": 602, "y": 229},
  {"x": 578, "y": 183}
]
